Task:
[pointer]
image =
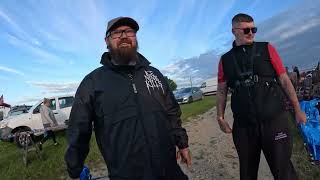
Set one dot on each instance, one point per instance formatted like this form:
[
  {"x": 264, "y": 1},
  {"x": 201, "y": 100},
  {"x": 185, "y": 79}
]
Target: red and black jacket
[{"x": 261, "y": 100}]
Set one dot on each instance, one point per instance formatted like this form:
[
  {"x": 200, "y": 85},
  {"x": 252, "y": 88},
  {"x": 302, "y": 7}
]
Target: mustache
[{"x": 125, "y": 40}]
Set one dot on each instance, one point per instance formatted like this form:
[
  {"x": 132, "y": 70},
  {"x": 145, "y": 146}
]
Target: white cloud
[
  {"x": 297, "y": 30},
  {"x": 19, "y": 30},
  {"x": 173, "y": 68},
  {"x": 10, "y": 70},
  {"x": 55, "y": 88},
  {"x": 28, "y": 100},
  {"x": 40, "y": 53}
]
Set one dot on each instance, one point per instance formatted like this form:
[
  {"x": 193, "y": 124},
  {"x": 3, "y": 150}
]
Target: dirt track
[{"x": 213, "y": 153}]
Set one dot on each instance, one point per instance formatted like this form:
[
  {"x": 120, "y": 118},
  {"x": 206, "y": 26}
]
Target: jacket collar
[{"x": 245, "y": 45}]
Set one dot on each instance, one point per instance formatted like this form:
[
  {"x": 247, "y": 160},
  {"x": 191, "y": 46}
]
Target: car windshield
[
  {"x": 15, "y": 113},
  {"x": 185, "y": 90},
  {"x": 17, "y": 110}
]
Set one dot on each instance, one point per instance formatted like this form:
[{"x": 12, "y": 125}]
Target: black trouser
[
  {"x": 274, "y": 139},
  {"x": 48, "y": 134}
]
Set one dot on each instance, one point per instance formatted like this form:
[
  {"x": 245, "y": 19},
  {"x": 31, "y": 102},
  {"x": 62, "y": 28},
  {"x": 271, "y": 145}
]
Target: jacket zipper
[
  {"x": 133, "y": 84},
  {"x": 131, "y": 77}
]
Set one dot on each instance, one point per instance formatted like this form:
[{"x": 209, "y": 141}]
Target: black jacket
[{"x": 136, "y": 121}]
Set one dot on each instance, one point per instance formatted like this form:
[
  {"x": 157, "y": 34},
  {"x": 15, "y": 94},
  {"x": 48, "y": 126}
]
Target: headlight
[
  {"x": 185, "y": 98},
  {"x": 3, "y": 124}
]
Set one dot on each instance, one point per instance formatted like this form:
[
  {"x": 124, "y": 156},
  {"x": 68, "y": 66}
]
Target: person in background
[{"x": 48, "y": 121}]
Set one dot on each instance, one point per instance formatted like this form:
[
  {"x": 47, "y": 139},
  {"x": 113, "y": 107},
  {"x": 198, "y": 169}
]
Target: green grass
[
  {"x": 198, "y": 107},
  {"x": 300, "y": 159},
  {"x": 52, "y": 165}
]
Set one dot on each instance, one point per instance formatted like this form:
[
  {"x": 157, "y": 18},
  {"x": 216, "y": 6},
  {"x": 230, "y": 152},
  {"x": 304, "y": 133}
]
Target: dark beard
[{"x": 123, "y": 56}]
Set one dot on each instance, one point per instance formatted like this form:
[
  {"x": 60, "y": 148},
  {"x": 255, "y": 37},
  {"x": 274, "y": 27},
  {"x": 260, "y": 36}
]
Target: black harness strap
[{"x": 250, "y": 70}]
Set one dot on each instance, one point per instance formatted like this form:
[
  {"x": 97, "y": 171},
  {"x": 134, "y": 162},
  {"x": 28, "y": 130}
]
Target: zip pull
[
  {"x": 134, "y": 88},
  {"x": 133, "y": 84}
]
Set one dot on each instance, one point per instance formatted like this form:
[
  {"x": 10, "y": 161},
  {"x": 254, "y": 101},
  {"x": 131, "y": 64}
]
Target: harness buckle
[{"x": 255, "y": 78}]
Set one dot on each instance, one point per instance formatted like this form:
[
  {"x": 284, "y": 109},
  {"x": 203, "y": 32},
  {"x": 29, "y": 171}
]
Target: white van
[
  {"x": 30, "y": 120},
  {"x": 209, "y": 86}
]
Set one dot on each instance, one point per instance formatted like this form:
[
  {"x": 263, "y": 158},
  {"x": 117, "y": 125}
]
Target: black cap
[{"x": 121, "y": 21}]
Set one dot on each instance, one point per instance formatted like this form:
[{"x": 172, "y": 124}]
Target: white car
[{"x": 31, "y": 119}]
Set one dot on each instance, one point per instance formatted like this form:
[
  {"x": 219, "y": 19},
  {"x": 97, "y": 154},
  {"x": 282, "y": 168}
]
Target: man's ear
[
  {"x": 233, "y": 31},
  {"x": 107, "y": 42}
]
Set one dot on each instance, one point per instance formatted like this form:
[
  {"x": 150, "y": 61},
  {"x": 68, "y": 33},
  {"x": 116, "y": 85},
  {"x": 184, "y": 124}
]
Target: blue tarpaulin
[{"x": 311, "y": 130}]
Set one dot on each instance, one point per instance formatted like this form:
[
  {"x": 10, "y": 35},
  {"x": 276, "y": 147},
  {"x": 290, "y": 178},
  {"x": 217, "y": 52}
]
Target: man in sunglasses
[
  {"x": 135, "y": 116},
  {"x": 254, "y": 73}
]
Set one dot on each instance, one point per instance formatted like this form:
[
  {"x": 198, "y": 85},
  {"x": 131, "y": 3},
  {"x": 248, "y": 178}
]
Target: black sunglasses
[{"x": 247, "y": 30}]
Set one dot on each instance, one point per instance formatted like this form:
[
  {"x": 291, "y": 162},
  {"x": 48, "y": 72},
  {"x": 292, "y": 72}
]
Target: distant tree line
[{"x": 172, "y": 84}]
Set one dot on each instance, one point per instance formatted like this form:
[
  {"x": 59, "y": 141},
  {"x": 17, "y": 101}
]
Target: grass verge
[
  {"x": 51, "y": 167},
  {"x": 198, "y": 107}
]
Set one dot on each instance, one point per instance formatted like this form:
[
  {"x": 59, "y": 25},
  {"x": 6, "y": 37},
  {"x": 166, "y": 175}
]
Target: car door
[
  {"x": 35, "y": 118},
  {"x": 197, "y": 93},
  {"x": 65, "y": 105},
  {"x": 194, "y": 94},
  {"x": 55, "y": 108}
]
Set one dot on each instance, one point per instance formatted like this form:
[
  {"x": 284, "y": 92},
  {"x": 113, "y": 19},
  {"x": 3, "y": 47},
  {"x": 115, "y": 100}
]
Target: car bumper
[
  {"x": 5, "y": 134},
  {"x": 182, "y": 100}
]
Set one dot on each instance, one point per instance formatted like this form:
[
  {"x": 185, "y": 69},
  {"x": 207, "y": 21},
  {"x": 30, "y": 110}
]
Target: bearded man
[{"x": 135, "y": 116}]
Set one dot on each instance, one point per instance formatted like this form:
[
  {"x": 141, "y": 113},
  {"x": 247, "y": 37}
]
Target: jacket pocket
[
  {"x": 241, "y": 104},
  {"x": 121, "y": 137},
  {"x": 270, "y": 101}
]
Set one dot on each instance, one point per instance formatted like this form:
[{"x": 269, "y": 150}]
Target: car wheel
[
  {"x": 190, "y": 100},
  {"x": 21, "y": 141}
]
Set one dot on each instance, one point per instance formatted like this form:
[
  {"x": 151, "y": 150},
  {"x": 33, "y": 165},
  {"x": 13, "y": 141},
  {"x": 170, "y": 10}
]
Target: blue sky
[{"x": 48, "y": 46}]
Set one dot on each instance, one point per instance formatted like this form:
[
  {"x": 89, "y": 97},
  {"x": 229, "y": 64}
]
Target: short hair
[
  {"x": 241, "y": 17},
  {"x": 45, "y": 100}
]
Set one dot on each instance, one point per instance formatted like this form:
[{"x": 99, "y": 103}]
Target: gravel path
[{"x": 213, "y": 154}]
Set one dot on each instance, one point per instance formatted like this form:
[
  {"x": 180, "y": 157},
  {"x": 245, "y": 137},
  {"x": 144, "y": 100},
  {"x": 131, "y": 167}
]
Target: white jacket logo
[{"x": 152, "y": 81}]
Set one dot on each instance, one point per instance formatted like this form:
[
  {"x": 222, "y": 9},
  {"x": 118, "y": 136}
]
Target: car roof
[{"x": 66, "y": 95}]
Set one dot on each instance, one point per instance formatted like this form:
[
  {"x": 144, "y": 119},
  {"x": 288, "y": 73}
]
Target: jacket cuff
[
  {"x": 74, "y": 173},
  {"x": 183, "y": 144}
]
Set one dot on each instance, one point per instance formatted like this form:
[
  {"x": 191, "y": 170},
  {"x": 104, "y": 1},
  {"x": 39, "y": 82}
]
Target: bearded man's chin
[{"x": 123, "y": 56}]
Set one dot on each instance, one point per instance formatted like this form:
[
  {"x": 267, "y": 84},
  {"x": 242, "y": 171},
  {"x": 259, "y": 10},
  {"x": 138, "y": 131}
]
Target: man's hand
[
  {"x": 224, "y": 125},
  {"x": 300, "y": 117},
  {"x": 185, "y": 156}
]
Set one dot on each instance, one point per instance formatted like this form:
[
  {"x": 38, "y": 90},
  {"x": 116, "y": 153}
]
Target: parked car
[
  {"x": 30, "y": 120},
  {"x": 188, "y": 95},
  {"x": 209, "y": 86}
]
